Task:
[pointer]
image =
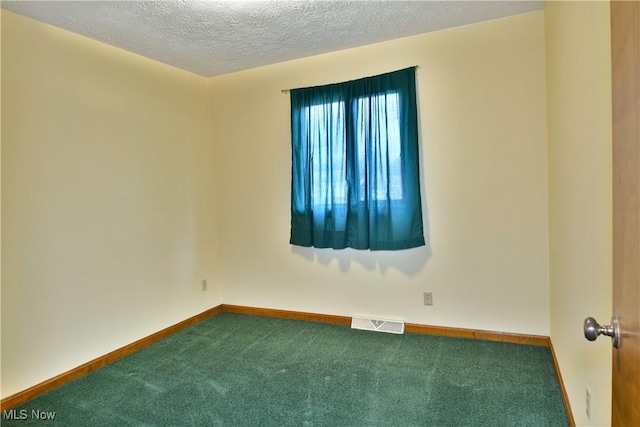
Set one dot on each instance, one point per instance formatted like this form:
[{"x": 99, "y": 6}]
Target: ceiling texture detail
[{"x": 212, "y": 37}]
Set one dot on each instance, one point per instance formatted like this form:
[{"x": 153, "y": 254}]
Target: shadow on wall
[{"x": 407, "y": 261}]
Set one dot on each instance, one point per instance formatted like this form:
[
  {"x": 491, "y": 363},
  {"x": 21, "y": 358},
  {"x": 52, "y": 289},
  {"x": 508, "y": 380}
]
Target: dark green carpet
[{"x": 237, "y": 370}]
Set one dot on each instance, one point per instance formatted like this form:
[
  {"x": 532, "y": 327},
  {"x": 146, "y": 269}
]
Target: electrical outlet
[
  {"x": 428, "y": 298},
  {"x": 588, "y": 403},
  {"x": 204, "y": 284}
]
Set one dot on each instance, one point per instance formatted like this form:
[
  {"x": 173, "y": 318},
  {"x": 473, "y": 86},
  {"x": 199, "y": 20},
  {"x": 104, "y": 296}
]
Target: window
[
  {"x": 386, "y": 139},
  {"x": 355, "y": 174}
]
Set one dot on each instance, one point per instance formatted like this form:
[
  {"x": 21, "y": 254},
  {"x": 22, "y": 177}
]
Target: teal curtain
[{"x": 355, "y": 172}]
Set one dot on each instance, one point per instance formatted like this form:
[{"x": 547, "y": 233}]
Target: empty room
[{"x": 197, "y": 231}]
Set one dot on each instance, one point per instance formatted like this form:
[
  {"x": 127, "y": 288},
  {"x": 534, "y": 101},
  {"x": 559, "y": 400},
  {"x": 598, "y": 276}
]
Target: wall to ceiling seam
[
  {"x": 482, "y": 106},
  {"x": 126, "y": 182},
  {"x": 108, "y": 218}
]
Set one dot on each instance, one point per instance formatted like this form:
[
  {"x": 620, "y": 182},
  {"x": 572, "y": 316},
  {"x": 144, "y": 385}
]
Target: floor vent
[{"x": 378, "y": 325}]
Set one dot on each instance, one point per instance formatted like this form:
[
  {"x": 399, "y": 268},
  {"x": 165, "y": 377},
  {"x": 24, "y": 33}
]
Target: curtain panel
[{"x": 355, "y": 179}]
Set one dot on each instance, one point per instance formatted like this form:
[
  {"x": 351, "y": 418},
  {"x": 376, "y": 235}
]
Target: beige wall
[
  {"x": 484, "y": 162},
  {"x": 108, "y": 219},
  {"x": 116, "y": 206},
  {"x": 579, "y": 129}
]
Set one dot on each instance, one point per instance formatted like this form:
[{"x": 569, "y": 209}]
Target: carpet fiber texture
[{"x": 238, "y": 370}]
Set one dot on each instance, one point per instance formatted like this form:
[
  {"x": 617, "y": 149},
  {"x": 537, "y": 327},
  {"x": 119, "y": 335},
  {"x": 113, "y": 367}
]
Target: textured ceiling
[{"x": 218, "y": 37}]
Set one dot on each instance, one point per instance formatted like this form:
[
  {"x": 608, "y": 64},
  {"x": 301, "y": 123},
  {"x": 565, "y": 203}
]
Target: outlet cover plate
[{"x": 428, "y": 298}]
